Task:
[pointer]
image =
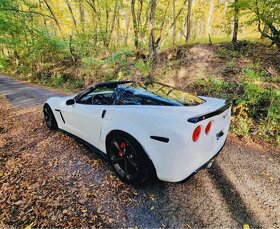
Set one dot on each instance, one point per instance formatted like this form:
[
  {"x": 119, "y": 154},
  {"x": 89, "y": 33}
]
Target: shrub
[{"x": 256, "y": 109}]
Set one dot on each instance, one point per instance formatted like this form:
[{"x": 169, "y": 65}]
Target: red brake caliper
[{"x": 123, "y": 145}]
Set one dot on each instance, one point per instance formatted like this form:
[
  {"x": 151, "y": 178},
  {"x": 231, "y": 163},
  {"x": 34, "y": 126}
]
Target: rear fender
[{"x": 142, "y": 130}]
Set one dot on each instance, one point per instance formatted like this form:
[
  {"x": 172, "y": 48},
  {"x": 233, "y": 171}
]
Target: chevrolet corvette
[{"x": 144, "y": 129}]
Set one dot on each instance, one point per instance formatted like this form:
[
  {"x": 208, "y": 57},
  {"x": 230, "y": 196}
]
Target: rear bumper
[
  {"x": 180, "y": 170},
  {"x": 186, "y": 157},
  {"x": 204, "y": 165}
]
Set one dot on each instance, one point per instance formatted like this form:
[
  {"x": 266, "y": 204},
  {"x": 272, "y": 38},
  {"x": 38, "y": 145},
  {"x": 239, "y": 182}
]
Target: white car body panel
[{"x": 175, "y": 160}]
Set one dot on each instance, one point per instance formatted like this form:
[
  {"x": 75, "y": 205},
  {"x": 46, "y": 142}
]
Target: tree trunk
[
  {"x": 117, "y": 41},
  {"x": 110, "y": 30},
  {"x": 235, "y": 22},
  {"x": 71, "y": 12},
  {"x": 135, "y": 25},
  {"x": 210, "y": 17},
  {"x": 188, "y": 20},
  {"x": 274, "y": 35},
  {"x": 265, "y": 30},
  {"x": 82, "y": 15},
  {"x": 152, "y": 42},
  {"x": 53, "y": 15},
  {"x": 174, "y": 22},
  {"x": 127, "y": 24},
  {"x": 95, "y": 19}
]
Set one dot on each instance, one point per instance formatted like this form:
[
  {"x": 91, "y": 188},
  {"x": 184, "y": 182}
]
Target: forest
[{"x": 224, "y": 48}]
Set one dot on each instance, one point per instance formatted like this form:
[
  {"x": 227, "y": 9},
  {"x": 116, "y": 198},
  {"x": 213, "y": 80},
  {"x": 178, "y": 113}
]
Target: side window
[
  {"x": 128, "y": 98},
  {"x": 98, "y": 96},
  {"x": 140, "y": 97}
]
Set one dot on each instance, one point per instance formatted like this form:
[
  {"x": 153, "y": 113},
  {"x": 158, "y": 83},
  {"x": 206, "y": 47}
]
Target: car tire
[
  {"x": 49, "y": 117},
  {"x": 128, "y": 159}
]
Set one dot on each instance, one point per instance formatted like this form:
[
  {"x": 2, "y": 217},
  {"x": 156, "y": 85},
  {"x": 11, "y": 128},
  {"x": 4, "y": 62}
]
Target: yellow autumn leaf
[
  {"x": 29, "y": 226},
  {"x": 246, "y": 226},
  {"x": 152, "y": 197}
]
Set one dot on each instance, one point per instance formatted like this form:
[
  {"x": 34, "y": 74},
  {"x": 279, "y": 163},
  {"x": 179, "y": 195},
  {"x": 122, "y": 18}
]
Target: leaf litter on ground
[{"x": 48, "y": 179}]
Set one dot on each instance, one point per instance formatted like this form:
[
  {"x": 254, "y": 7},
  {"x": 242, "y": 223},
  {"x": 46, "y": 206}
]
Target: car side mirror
[{"x": 70, "y": 102}]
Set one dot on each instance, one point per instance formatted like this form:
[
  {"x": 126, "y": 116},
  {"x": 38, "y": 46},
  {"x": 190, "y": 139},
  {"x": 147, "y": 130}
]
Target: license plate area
[{"x": 219, "y": 135}]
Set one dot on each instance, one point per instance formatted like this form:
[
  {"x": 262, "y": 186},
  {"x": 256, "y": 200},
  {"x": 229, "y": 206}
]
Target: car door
[
  {"x": 84, "y": 118},
  {"x": 84, "y": 121}
]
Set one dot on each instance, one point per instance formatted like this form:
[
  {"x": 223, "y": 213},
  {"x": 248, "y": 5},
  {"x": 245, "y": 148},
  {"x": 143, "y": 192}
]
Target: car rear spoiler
[{"x": 211, "y": 114}]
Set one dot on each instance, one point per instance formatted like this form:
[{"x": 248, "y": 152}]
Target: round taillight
[
  {"x": 208, "y": 127},
  {"x": 196, "y": 133}
]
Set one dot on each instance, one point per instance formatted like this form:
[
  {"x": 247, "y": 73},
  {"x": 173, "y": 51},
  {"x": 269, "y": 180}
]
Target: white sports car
[{"x": 144, "y": 128}]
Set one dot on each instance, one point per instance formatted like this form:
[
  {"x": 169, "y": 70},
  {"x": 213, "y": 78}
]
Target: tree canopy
[{"x": 43, "y": 31}]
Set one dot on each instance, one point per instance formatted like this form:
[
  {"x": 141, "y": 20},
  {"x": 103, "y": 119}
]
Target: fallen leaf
[
  {"x": 64, "y": 211},
  {"x": 29, "y": 226},
  {"x": 110, "y": 220},
  {"x": 99, "y": 210},
  {"x": 44, "y": 213},
  {"x": 18, "y": 202},
  {"x": 152, "y": 197}
]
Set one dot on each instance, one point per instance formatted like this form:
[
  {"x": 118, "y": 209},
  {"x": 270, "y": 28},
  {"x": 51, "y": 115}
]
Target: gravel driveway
[{"x": 241, "y": 187}]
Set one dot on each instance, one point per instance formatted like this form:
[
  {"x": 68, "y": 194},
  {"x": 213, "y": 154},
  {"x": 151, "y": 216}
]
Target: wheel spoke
[
  {"x": 126, "y": 169},
  {"x": 48, "y": 116},
  {"x": 47, "y": 112},
  {"x": 117, "y": 159},
  {"x": 132, "y": 162},
  {"x": 131, "y": 156}
]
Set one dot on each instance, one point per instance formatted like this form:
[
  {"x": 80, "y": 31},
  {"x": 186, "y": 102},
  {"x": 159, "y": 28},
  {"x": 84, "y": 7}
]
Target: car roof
[{"x": 112, "y": 84}]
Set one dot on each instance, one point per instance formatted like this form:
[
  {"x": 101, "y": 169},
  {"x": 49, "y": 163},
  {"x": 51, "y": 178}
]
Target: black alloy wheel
[
  {"x": 49, "y": 117},
  {"x": 128, "y": 159}
]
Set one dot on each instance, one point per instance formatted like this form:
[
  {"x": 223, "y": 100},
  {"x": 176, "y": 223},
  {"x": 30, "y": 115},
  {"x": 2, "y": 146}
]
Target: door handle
[{"x": 103, "y": 113}]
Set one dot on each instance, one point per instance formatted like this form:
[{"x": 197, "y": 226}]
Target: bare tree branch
[{"x": 26, "y": 12}]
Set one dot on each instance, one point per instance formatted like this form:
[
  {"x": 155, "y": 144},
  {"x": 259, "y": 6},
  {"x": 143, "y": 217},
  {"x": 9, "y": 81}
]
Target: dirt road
[{"x": 242, "y": 186}]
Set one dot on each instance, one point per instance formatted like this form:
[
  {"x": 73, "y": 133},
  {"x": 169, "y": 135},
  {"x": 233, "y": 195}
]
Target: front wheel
[
  {"x": 128, "y": 159},
  {"x": 49, "y": 117}
]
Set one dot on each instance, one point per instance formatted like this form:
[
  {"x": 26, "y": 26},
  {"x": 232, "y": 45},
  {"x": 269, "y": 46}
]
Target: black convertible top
[
  {"x": 112, "y": 84},
  {"x": 146, "y": 93}
]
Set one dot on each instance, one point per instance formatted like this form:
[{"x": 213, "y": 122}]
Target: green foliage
[
  {"x": 231, "y": 52},
  {"x": 256, "y": 109},
  {"x": 110, "y": 68},
  {"x": 58, "y": 80},
  {"x": 145, "y": 67},
  {"x": 3, "y": 64},
  {"x": 215, "y": 87},
  {"x": 47, "y": 47},
  {"x": 231, "y": 64},
  {"x": 266, "y": 15},
  {"x": 79, "y": 83},
  {"x": 118, "y": 59},
  {"x": 242, "y": 126}
]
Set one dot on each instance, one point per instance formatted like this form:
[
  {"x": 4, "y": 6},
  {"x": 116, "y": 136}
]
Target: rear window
[{"x": 157, "y": 94}]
